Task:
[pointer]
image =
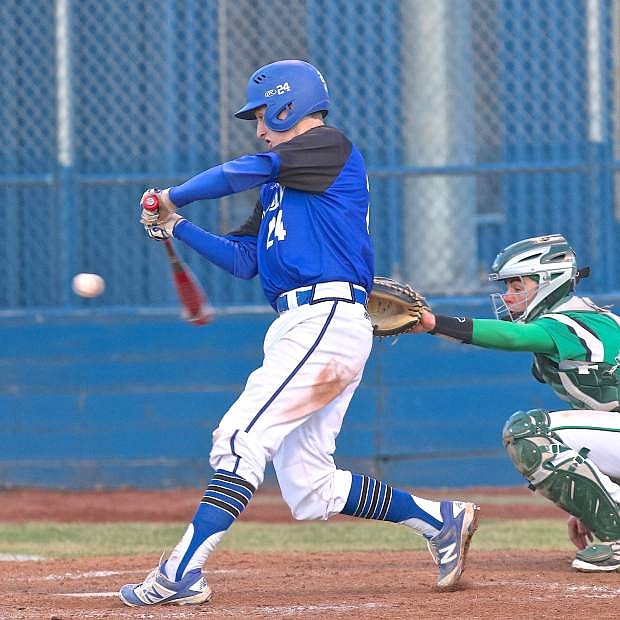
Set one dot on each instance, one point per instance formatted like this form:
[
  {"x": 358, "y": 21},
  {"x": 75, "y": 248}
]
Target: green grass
[{"x": 69, "y": 540}]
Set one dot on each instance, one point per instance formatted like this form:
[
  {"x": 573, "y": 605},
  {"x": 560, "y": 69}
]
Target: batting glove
[
  {"x": 159, "y": 232},
  {"x": 151, "y": 217}
]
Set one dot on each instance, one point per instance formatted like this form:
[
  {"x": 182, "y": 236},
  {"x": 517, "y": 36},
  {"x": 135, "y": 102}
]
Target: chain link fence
[{"x": 482, "y": 122}]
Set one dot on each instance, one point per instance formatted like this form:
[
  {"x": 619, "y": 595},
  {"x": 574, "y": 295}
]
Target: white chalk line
[
  {"x": 589, "y": 591},
  {"x": 117, "y": 573},
  {"x": 304, "y": 609},
  {"x": 276, "y": 610},
  {"x": 20, "y": 557},
  {"x": 88, "y": 594},
  {"x": 94, "y": 573}
]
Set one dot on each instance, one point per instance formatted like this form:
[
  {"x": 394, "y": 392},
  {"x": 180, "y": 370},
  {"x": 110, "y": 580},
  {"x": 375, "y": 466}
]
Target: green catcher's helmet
[{"x": 549, "y": 260}]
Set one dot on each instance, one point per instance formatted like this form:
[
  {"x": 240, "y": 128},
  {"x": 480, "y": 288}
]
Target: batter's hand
[
  {"x": 160, "y": 215},
  {"x": 159, "y": 232},
  {"x": 578, "y": 533}
]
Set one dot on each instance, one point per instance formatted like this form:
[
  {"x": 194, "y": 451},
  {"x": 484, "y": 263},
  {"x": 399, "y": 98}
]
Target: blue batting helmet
[{"x": 293, "y": 83}]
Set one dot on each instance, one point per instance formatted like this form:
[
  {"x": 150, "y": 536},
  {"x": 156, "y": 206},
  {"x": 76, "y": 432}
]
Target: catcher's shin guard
[{"x": 566, "y": 477}]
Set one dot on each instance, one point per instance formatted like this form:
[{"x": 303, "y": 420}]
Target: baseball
[{"x": 88, "y": 284}]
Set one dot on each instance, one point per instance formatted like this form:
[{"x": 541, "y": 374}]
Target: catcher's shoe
[
  {"x": 157, "y": 589},
  {"x": 449, "y": 547},
  {"x": 600, "y": 558}
]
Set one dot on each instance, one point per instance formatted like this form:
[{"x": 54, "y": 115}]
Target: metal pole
[
  {"x": 596, "y": 118},
  {"x": 601, "y": 179},
  {"x": 615, "y": 13},
  {"x": 11, "y": 195},
  {"x": 440, "y": 247},
  {"x": 65, "y": 153},
  {"x": 224, "y": 104}
]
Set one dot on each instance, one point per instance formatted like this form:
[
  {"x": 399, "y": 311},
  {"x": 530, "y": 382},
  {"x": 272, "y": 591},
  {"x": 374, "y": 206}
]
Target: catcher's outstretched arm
[
  {"x": 508, "y": 336},
  {"x": 426, "y": 324},
  {"x": 494, "y": 334},
  {"x": 458, "y": 327}
]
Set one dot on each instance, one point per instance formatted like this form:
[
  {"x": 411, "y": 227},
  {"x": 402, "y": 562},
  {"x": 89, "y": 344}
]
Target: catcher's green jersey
[{"x": 585, "y": 370}]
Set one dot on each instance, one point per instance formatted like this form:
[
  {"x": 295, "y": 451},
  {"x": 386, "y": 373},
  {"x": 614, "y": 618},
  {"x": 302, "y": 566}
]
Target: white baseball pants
[{"x": 292, "y": 407}]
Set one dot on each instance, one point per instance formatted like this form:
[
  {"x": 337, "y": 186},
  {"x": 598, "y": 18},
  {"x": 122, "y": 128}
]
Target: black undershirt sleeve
[
  {"x": 311, "y": 161},
  {"x": 250, "y": 227}
]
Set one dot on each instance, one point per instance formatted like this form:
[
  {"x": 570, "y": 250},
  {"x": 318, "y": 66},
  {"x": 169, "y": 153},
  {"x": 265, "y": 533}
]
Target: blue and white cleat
[
  {"x": 157, "y": 589},
  {"x": 449, "y": 547}
]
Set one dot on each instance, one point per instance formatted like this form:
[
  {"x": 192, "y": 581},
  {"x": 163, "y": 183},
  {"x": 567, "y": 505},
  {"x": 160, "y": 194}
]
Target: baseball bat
[{"x": 194, "y": 301}]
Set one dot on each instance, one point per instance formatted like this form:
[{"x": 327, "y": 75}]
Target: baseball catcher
[
  {"x": 394, "y": 308},
  {"x": 570, "y": 457}
]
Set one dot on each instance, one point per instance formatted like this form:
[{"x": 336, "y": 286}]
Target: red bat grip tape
[{"x": 150, "y": 202}]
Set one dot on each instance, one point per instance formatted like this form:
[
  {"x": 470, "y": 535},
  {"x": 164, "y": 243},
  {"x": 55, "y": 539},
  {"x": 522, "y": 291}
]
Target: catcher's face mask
[
  {"x": 549, "y": 260},
  {"x": 510, "y": 305}
]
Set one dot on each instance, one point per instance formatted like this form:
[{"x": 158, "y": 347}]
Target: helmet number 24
[
  {"x": 276, "y": 229},
  {"x": 280, "y": 89}
]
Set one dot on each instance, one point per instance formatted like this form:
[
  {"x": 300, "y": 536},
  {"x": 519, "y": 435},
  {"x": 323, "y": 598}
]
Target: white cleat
[
  {"x": 157, "y": 589},
  {"x": 449, "y": 547}
]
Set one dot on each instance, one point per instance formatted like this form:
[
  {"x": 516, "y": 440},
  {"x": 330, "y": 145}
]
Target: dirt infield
[{"x": 297, "y": 585}]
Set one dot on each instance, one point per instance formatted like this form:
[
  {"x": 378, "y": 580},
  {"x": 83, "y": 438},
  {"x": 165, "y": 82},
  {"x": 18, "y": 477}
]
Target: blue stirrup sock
[
  {"x": 374, "y": 499},
  {"x": 224, "y": 500}
]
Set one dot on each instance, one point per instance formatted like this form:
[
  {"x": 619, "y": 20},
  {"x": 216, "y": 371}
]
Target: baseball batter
[
  {"x": 307, "y": 238},
  {"x": 571, "y": 457}
]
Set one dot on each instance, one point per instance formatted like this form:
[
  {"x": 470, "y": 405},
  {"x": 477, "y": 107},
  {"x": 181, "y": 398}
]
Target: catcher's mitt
[{"x": 394, "y": 308}]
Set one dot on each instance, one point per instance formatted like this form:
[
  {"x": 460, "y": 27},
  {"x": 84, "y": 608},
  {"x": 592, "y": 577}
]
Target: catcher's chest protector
[
  {"x": 589, "y": 386},
  {"x": 591, "y": 380}
]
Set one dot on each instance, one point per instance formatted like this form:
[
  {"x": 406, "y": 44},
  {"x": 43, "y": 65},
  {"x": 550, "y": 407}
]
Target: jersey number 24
[{"x": 275, "y": 229}]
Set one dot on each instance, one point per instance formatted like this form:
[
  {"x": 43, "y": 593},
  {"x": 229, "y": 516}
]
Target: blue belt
[{"x": 351, "y": 293}]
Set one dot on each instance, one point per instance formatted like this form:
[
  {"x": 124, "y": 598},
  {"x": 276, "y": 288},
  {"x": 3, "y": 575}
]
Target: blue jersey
[
  {"x": 310, "y": 223},
  {"x": 314, "y": 219}
]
